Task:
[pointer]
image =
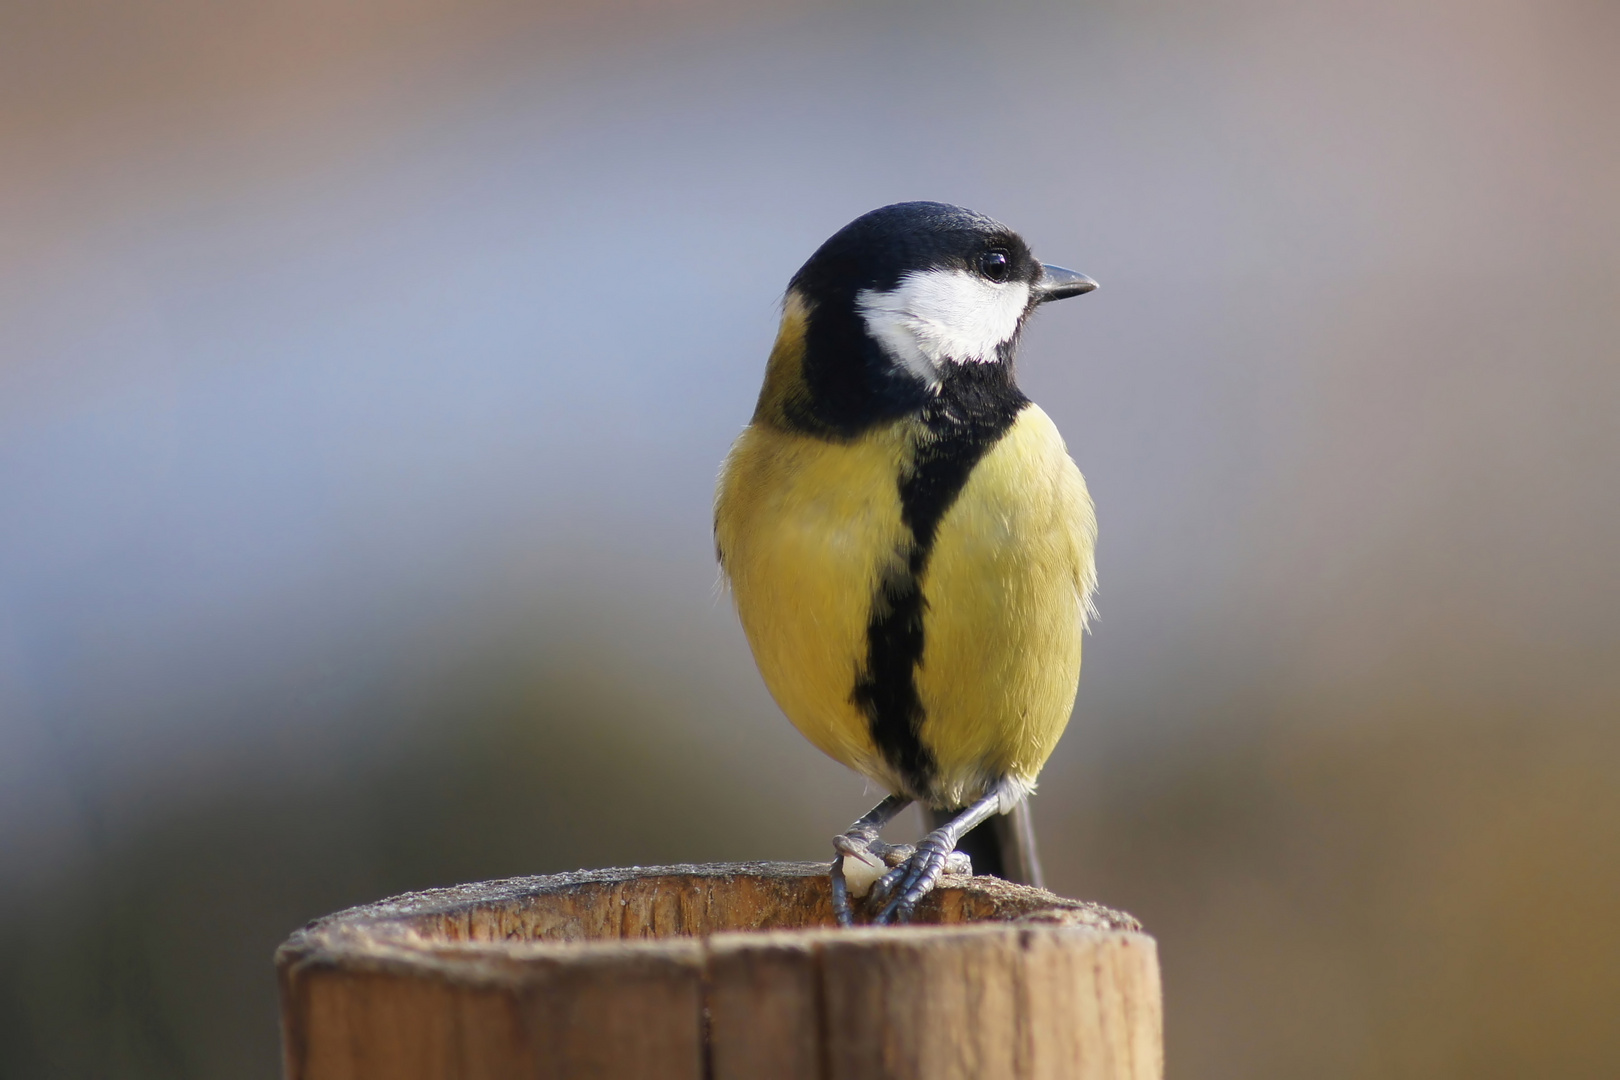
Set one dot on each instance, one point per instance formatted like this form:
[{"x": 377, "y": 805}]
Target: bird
[{"x": 908, "y": 543}]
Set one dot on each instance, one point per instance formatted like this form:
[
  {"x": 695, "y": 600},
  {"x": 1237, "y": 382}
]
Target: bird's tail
[{"x": 1004, "y": 845}]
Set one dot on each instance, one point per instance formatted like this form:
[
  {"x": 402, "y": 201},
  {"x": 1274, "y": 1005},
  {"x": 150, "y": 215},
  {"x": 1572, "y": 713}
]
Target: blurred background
[{"x": 364, "y": 371}]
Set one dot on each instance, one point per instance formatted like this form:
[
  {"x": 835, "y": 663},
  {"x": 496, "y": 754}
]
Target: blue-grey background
[{"x": 364, "y": 371}]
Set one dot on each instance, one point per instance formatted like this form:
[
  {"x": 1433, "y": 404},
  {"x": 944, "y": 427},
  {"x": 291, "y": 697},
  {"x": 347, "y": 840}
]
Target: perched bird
[{"x": 908, "y": 543}]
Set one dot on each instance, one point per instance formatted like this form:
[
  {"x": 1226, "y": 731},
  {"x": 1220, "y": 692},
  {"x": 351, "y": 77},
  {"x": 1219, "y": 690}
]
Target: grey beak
[{"x": 1057, "y": 284}]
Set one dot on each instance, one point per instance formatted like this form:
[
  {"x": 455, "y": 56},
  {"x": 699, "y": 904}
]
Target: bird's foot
[
  {"x": 859, "y": 862},
  {"x": 915, "y": 876},
  {"x": 860, "y": 857},
  {"x": 872, "y": 851}
]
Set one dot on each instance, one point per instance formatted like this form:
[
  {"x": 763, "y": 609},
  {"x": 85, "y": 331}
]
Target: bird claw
[
  {"x": 840, "y": 893},
  {"x": 900, "y": 890},
  {"x": 864, "y": 847},
  {"x": 912, "y": 871}
]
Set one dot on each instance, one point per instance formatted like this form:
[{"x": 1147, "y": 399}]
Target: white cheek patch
[{"x": 933, "y": 316}]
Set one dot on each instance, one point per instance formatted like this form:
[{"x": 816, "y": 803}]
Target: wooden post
[{"x": 719, "y": 972}]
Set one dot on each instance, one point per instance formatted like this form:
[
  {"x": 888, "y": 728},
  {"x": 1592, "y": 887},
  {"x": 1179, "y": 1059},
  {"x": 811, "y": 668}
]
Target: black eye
[{"x": 995, "y": 265}]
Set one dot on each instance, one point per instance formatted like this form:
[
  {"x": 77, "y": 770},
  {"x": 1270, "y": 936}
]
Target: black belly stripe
[{"x": 975, "y": 407}]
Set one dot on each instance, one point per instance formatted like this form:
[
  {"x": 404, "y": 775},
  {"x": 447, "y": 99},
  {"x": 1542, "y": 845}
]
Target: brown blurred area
[{"x": 364, "y": 369}]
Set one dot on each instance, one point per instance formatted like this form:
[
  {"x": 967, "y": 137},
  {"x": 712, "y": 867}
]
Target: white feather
[
  {"x": 933, "y": 316},
  {"x": 1012, "y": 791}
]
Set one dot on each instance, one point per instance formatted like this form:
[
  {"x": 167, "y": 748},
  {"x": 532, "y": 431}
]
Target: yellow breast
[
  {"x": 807, "y": 529},
  {"x": 1007, "y": 587}
]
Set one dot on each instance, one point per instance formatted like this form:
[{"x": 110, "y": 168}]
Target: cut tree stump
[{"x": 718, "y": 972}]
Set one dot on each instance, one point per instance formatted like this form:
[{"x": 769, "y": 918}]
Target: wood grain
[{"x": 724, "y": 972}]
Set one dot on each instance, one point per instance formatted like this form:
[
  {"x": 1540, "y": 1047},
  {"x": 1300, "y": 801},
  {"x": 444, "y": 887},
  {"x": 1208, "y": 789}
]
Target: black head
[
  {"x": 876, "y": 249},
  {"x": 900, "y": 296}
]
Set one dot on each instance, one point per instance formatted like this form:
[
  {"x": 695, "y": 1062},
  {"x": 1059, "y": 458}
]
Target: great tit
[{"x": 909, "y": 545}]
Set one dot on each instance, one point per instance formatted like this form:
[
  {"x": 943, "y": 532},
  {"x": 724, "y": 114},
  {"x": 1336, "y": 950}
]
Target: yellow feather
[
  {"x": 1008, "y": 587},
  {"x": 807, "y": 527}
]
